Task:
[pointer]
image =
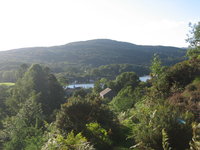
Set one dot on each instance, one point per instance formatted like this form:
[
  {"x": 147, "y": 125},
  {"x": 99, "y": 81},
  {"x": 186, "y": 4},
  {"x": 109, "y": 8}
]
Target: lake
[
  {"x": 145, "y": 78},
  {"x": 91, "y": 85},
  {"x": 86, "y": 85}
]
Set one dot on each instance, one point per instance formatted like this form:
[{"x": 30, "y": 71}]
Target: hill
[{"x": 92, "y": 53}]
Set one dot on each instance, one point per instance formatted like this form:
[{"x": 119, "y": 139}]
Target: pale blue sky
[
  {"x": 170, "y": 9},
  {"x": 27, "y": 23}
]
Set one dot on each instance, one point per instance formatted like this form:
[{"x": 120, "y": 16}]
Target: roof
[{"x": 104, "y": 92}]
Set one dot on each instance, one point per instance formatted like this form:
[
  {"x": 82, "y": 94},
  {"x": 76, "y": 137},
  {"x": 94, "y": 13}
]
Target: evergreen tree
[{"x": 37, "y": 80}]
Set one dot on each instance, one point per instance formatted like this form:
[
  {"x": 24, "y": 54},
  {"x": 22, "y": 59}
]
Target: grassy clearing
[{"x": 7, "y": 83}]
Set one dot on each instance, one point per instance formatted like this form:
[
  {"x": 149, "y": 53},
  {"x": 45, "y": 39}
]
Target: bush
[
  {"x": 98, "y": 136},
  {"x": 70, "y": 142},
  {"x": 149, "y": 122}
]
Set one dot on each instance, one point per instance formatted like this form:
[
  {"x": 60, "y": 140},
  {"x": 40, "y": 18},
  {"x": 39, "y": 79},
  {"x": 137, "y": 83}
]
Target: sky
[{"x": 28, "y": 23}]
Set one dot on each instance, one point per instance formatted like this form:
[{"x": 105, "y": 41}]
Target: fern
[{"x": 165, "y": 140}]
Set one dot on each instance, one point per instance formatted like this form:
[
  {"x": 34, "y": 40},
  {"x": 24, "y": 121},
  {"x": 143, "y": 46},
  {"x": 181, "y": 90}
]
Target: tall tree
[
  {"x": 21, "y": 71},
  {"x": 194, "y": 40},
  {"x": 156, "y": 67},
  {"x": 37, "y": 80}
]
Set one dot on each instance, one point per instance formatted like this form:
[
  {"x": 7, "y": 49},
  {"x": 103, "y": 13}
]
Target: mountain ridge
[
  {"x": 95, "y": 53},
  {"x": 85, "y": 41}
]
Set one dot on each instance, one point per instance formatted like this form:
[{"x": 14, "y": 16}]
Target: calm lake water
[
  {"x": 145, "y": 78},
  {"x": 91, "y": 85},
  {"x": 86, "y": 85}
]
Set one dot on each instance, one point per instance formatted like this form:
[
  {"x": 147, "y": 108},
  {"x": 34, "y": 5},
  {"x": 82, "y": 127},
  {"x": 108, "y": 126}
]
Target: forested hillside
[
  {"x": 94, "y": 53},
  {"x": 88, "y": 60}
]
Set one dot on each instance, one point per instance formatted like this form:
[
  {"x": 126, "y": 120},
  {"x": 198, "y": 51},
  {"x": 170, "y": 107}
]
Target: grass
[{"x": 7, "y": 83}]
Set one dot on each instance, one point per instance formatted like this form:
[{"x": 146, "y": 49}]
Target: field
[{"x": 7, "y": 83}]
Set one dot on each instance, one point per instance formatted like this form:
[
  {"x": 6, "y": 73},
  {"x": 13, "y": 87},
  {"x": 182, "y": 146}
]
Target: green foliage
[
  {"x": 123, "y": 100},
  {"x": 35, "y": 96},
  {"x": 153, "y": 115},
  {"x": 4, "y": 94},
  {"x": 150, "y": 120},
  {"x": 197, "y": 80},
  {"x": 54, "y": 97},
  {"x": 70, "y": 142},
  {"x": 123, "y": 80},
  {"x": 176, "y": 78},
  {"x": 194, "y": 41},
  {"x": 8, "y": 76},
  {"x": 112, "y": 70},
  {"x": 88, "y": 111},
  {"x": 27, "y": 138},
  {"x": 80, "y": 92},
  {"x": 89, "y": 53},
  {"x": 21, "y": 71},
  {"x": 127, "y": 79},
  {"x": 160, "y": 86},
  {"x": 35, "y": 140},
  {"x": 156, "y": 68},
  {"x": 195, "y": 143},
  {"x": 62, "y": 79},
  {"x": 37, "y": 80},
  {"x": 98, "y": 136},
  {"x": 126, "y": 98},
  {"x": 193, "y": 52},
  {"x": 184, "y": 73},
  {"x": 100, "y": 85},
  {"x": 23, "y": 130}
]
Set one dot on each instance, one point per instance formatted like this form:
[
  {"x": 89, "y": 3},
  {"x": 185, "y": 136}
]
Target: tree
[
  {"x": 194, "y": 40},
  {"x": 9, "y": 76},
  {"x": 177, "y": 77},
  {"x": 55, "y": 96},
  {"x": 37, "y": 80},
  {"x": 62, "y": 79},
  {"x": 69, "y": 118},
  {"x": 80, "y": 92},
  {"x": 4, "y": 94},
  {"x": 125, "y": 99},
  {"x": 123, "y": 80},
  {"x": 24, "y": 129},
  {"x": 158, "y": 74},
  {"x": 156, "y": 67},
  {"x": 21, "y": 71},
  {"x": 100, "y": 85}
]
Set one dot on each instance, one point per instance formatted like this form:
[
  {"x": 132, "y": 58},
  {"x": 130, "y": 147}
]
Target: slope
[{"x": 90, "y": 53}]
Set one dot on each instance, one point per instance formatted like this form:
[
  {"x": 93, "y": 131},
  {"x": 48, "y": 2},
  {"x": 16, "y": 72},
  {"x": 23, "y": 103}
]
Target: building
[{"x": 107, "y": 93}]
